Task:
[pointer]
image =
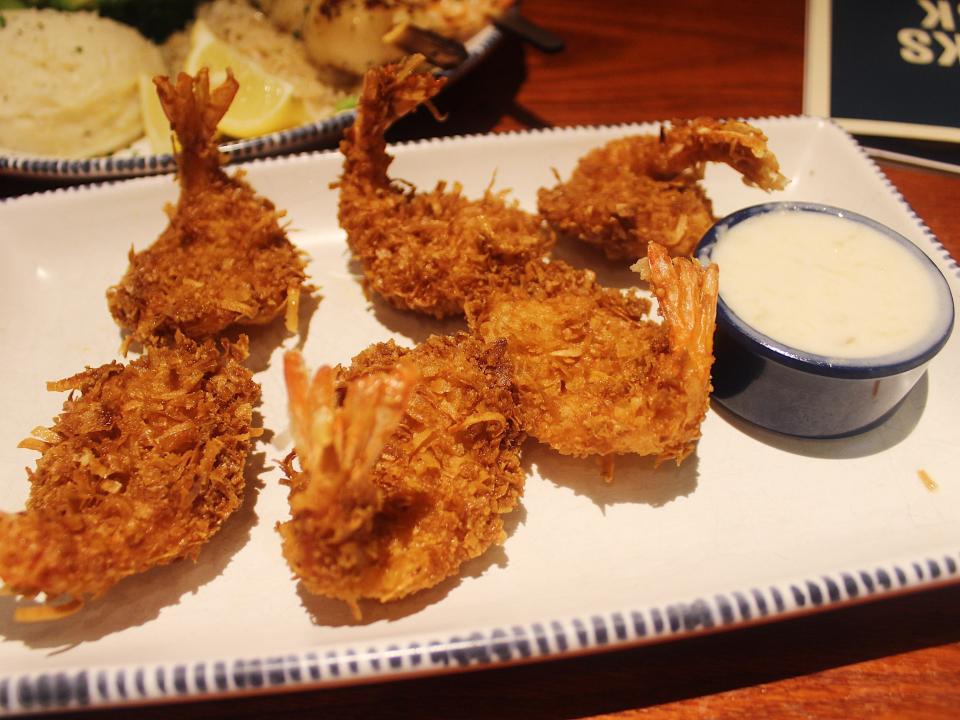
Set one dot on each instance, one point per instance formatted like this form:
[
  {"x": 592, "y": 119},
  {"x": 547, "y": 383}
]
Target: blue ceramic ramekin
[{"x": 801, "y": 393}]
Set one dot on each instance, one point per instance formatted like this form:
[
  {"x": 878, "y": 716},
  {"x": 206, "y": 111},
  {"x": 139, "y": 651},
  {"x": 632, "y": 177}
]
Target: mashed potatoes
[{"x": 69, "y": 82}]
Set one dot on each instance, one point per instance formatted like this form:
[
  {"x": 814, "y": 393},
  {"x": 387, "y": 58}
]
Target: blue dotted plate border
[
  {"x": 326, "y": 132},
  {"x": 350, "y": 664}
]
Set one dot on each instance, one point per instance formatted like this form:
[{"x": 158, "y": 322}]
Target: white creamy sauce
[{"x": 825, "y": 285}]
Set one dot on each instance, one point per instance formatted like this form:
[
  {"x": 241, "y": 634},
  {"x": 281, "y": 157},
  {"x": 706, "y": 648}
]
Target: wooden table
[{"x": 640, "y": 60}]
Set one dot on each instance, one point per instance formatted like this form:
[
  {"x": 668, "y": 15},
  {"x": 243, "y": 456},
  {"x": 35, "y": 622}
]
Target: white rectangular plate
[{"x": 754, "y": 526}]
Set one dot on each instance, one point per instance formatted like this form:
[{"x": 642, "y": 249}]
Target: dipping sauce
[{"x": 826, "y": 285}]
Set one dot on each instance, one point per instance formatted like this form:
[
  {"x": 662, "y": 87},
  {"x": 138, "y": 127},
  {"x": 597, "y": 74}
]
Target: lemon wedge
[
  {"x": 264, "y": 102},
  {"x": 155, "y": 124}
]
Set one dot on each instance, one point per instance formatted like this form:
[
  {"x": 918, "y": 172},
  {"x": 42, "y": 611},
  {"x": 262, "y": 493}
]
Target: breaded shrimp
[
  {"x": 427, "y": 252},
  {"x": 223, "y": 259},
  {"x": 645, "y": 189},
  {"x": 141, "y": 468},
  {"x": 596, "y": 376},
  {"x": 408, "y": 460}
]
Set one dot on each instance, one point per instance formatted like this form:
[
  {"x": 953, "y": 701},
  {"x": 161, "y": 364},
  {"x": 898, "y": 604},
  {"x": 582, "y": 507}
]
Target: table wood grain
[{"x": 643, "y": 60}]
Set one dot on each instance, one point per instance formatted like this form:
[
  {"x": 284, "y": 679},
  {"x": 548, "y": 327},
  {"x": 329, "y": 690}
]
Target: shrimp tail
[
  {"x": 687, "y": 296},
  {"x": 388, "y": 93},
  {"x": 194, "y": 111},
  {"x": 344, "y": 442},
  {"x": 311, "y": 406},
  {"x": 333, "y": 501},
  {"x": 690, "y": 143}
]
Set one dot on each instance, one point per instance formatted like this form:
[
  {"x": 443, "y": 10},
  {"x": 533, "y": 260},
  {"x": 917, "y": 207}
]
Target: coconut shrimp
[
  {"x": 141, "y": 468},
  {"x": 224, "y": 258},
  {"x": 646, "y": 189},
  {"x": 408, "y": 475},
  {"x": 596, "y": 375},
  {"x": 431, "y": 251}
]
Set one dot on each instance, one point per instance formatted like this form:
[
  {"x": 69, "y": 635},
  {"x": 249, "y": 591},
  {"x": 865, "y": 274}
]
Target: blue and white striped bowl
[{"x": 126, "y": 163}]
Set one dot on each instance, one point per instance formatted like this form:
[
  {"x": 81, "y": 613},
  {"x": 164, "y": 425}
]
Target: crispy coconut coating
[
  {"x": 431, "y": 251},
  {"x": 224, "y": 258},
  {"x": 141, "y": 468},
  {"x": 642, "y": 189},
  {"x": 596, "y": 375},
  {"x": 408, "y": 462}
]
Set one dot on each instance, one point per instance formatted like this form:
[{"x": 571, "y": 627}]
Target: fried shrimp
[
  {"x": 596, "y": 375},
  {"x": 408, "y": 461},
  {"x": 645, "y": 189},
  {"x": 224, "y": 258},
  {"x": 141, "y": 468},
  {"x": 427, "y": 252}
]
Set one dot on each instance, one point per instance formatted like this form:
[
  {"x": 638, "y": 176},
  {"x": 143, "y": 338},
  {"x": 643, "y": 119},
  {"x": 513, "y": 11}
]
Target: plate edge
[{"x": 333, "y": 665}]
